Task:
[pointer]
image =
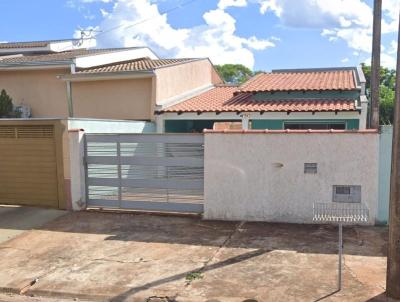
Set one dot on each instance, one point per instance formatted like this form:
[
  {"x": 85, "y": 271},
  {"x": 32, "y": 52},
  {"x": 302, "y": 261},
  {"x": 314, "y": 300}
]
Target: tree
[
  {"x": 234, "y": 73},
  {"x": 6, "y": 105},
  {"x": 386, "y": 89}
]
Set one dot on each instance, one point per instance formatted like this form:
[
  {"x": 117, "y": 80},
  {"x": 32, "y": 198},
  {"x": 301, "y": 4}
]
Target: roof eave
[
  {"x": 357, "y": 88},
  {"x": 81, "y": 77},
  {"x": 25, "y": 49},
  {"x": 254, "y": 111},
  {"x": 35, "y": 65}
]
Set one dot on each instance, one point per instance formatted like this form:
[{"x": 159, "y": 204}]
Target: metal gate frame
[{"x": 161, "y": 160}]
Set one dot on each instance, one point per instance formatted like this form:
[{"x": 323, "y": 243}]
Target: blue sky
[{"x": 261, "y": 34}]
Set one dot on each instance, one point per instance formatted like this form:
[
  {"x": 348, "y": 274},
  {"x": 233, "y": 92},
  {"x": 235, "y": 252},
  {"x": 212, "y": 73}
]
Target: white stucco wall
[
  {"x": 260, "y": 176},
  {"x": 111, "y": 126},
  {"x": 77, "y": 195}
]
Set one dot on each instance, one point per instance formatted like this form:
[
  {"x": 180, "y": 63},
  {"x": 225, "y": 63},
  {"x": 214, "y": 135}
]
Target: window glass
[{"x": 315, "y": 126}]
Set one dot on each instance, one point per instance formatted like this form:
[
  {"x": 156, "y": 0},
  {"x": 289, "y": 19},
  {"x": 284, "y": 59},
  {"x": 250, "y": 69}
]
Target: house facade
[
  {"x": 64, "y": 79},
  {"x": 330, "y": 98}
]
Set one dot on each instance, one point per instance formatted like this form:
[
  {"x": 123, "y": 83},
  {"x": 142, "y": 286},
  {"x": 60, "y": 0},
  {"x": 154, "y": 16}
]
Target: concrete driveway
[
  {"x": 132, "y": 257},
  {"x": 15, "y": 220}
]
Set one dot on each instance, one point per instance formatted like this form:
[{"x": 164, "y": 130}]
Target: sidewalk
[{"x": 130, "y": 257}]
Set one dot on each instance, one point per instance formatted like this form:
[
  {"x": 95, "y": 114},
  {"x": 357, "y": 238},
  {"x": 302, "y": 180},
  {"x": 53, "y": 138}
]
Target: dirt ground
[{"x": 136, "y": 257}]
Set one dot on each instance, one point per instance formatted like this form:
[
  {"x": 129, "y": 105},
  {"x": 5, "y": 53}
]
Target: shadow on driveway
[{"x": 305, "y": 238}]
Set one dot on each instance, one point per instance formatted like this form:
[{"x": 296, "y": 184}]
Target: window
[
  {"x": 314, "y": 126},
  {"x": 310, "y": 168},
  {"x": 346, "y": 193}
]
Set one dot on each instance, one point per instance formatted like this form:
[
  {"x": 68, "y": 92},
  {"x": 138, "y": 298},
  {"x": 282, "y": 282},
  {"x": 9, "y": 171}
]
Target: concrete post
[
  {"x": 245, "y": 121},
  {"x": 364, "y": 110},
  {"x": 77, "y": 195},
  {"x": 393, "y": 264},
  {"x": 376, "y": 64},
  {"x": 160, "y": 124}
]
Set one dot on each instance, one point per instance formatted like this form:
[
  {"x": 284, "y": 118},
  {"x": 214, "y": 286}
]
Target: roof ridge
[
  {"x": 39, "y": 41},
  {"x": 116, "y": 63}
]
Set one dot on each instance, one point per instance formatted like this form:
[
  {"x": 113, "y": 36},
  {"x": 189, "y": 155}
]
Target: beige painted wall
[
  {"x": 261, "y": 176},
  {"x": 39, "y": 89},
  {"x": 112, "y": 99},
  {"x": 216, "y": 78},
  {"x": 179, "y": 79}
]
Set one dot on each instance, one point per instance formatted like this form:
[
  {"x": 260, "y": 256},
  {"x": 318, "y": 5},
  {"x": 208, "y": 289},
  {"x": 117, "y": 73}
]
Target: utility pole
[
  {"x": 376, "y": 64},
  {"x": 393, "y": 262}
]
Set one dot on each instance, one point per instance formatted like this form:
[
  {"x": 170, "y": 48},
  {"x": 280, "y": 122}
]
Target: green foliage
[
  {"x": 193, "y": 276},
  {"x": 386, "y": 99},
  {"x": 234, "y": 73},
  {"x": 6, "y": 105}
]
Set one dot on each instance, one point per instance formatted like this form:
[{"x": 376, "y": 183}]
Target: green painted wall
[
  {"x": 385, "y": 160},
  {"x": 278, "y": 124},
  {"x": 267, "y": 124},
  {"x": 353, "y": 94},
  {"x": 352, "y": 124},
  {"x": 187, "y": 126}
]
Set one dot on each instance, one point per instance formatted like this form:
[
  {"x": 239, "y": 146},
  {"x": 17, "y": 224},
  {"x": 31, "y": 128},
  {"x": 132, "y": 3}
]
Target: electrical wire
[
  {"x": 89, "y": 36},
  {"x": 145, "y": 20}
]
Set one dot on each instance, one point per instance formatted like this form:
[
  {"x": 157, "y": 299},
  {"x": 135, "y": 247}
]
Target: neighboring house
[
  {"x": 330, "y": 98},
  {"x": 61, "y": 79}
]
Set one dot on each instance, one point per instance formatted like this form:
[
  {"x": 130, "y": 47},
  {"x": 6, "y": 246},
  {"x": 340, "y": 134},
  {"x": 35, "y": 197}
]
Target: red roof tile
[
  {"x": 298, "y": 81},
  {"x": 223, "y": 99},
  {"x": 291, "y": 131}
]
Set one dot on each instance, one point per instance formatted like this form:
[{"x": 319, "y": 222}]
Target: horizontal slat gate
[
  {"x": 146, "y": 172},
  {"x": 28, "y": 167}
]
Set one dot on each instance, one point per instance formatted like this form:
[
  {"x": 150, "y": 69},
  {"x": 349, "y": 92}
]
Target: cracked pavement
[{"x": 137, "y": 257}]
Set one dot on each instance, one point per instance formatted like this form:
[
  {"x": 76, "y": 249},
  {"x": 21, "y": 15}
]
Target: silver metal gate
[{"x": 146, "y": 172}]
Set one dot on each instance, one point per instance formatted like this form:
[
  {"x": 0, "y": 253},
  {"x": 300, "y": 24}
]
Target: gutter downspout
[{"x": 69, "y": 94}]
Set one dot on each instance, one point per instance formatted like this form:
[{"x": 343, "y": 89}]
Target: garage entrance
[
  {"x": 31, "y": 164},
  {"x": 146, "y": 172}
]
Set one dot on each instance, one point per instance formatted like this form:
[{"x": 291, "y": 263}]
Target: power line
[
  {"x": 90, "y": 35},
  {"x": 145, "y": 20}
]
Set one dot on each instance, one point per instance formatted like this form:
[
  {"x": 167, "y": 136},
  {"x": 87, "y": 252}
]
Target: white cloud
[
  {"x": 388, "y": 61},
  {"x": 350, "y": 20},
  {"x": 393, "y": 47},
  {"x": 91, "y": 1},
  {"x": 139, "y": 22},
  {"x": 347, "y": 20},
  {"x": 390, "y": 11},
  {"x": 228, "y": 3},
  {"x": 270, "y": 5},
  {"x": 344, "y": 60},
  {"x": 319, "y": 13},
  {"x": 103, "y": 12}
]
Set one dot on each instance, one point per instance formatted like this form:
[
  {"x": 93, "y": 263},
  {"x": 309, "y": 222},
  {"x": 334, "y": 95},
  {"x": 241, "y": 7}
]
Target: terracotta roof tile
[
  {"x": 290, "y": 131},
  {"x": 134, "y": 65},
  {"x": 224, "y": 99},
  {"x": 298, "y": 81}
]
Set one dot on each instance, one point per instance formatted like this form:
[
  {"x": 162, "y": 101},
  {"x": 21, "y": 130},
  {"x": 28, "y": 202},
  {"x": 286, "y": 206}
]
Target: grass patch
[{"x": 193, "y": 276}]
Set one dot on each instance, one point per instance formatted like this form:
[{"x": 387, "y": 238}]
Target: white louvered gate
[{"x": 145, "y": 172}]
